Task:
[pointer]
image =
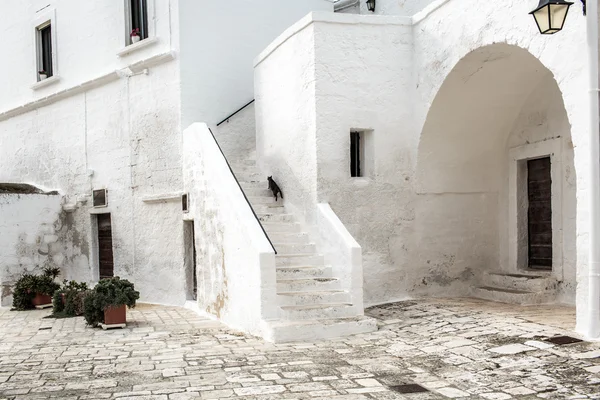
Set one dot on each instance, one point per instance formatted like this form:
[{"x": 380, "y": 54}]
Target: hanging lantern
[
  {"x": 371, "y": 5},
  {"x": 550, "y": 15}
]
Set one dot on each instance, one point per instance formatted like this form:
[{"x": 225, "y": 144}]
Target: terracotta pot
[
  {"x": 115, "y": 315},
  {"x": 41, "y": 299}
]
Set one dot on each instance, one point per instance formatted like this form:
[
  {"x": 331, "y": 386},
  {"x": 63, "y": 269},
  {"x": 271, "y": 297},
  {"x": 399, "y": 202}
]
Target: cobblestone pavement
[{"x": 454, "y": 348}]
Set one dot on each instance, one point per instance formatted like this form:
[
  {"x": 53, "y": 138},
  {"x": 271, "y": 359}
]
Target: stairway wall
[
  {"x": 236, "y": 263},
  {"x": 237, "y": 136}
]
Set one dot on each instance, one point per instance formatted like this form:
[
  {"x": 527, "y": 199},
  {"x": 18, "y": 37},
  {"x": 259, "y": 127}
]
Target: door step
[
  {"x": 512, "y": 296},
  {"x": 281, "y": 331}
]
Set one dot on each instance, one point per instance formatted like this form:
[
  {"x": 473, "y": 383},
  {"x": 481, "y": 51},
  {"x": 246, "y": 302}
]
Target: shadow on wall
[{"x": 489, "y": 103}]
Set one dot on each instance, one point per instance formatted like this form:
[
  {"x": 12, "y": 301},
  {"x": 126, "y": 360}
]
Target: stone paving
[{"x": 458, "y": 348}]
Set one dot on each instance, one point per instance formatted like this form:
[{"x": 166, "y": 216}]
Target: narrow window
[
  {"x": 356, "y": 152},
  {"x": 45, "y": 67},
  {"x": 184, "y": 203},
  {"x": 139, "y": 17}
]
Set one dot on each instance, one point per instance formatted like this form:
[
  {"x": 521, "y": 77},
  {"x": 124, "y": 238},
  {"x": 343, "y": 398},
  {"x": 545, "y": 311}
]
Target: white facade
[{"x": 451, "y": 98}]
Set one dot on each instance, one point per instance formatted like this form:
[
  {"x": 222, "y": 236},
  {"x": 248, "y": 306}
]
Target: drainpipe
[
  {"x": 343, "y": 4},
  {"x": 593, "y": 325}
]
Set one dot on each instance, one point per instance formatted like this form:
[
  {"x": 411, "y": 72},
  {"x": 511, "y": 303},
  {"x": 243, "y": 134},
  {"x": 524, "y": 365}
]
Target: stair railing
[
  {"x": 235, "y": 112},
  {"x": 240, "y": 186}
]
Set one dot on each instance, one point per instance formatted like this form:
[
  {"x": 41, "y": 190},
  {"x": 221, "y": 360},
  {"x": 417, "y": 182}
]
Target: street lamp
[
  {"x": 371, "y": 5},
  {"x": 550, "y": 15}
]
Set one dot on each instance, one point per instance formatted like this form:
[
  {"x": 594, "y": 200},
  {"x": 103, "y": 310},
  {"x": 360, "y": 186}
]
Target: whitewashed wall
[
  {"x": 236, "y": 274},
  {"x": 442, "y": 39},
  {"x": 432, "y": 216},
  {"x": 385, "y": 7},
  {"x": 88, "y": 36},
  {"x": 94, "y": 129},
  {"x": 325, "y": 76},
  {"x": 34, "y": 230},
  {"x": 219, "y": 40},
  {"x": 237, "y": 136}
]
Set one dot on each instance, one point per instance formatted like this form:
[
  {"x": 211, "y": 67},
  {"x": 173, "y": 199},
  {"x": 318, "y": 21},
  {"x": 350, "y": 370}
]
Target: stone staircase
[
  {"x": 312, "y": 304},
  {"x": 524, "y": 287}
]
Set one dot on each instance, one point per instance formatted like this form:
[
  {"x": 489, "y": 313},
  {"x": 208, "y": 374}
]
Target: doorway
[
  {"x": 539, "y": 214},
  {"x": 190, "y": 260},
  {"x": 106, "y": 263}
]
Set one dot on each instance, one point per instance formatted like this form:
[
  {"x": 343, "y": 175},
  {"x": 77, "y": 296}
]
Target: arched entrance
[{"x": 495, "y": 176}]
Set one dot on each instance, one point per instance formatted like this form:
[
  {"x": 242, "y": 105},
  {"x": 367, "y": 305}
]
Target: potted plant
[
  {"x": 106, "y": 303},
  {"x": 68, "y": 301},
  {"x": 35, "y": 290},
  {"x": 135, "y": 35},
  {"x": 42, "y": 74}
]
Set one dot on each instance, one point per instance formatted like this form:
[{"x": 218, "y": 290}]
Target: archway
[{"x": 496, "y": 122}]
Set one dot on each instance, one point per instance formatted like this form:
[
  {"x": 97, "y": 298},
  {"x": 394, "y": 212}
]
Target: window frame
[
  {"x": 150, "y": 17},
  {"x": 42, "y": 22}
]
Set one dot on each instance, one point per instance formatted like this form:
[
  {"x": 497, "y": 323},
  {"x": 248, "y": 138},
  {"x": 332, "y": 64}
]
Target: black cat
[{"x": 274, "y": 188}]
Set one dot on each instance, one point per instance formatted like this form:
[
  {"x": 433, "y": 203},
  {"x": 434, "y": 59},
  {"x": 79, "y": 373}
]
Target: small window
[
  {"x": 356, "y": 154},
  {"x": 100, "y": 198},
  {"x": 44, "y": 51},
  {"x": 185, "y": 203},
  {"x": 138, "y": 19}
]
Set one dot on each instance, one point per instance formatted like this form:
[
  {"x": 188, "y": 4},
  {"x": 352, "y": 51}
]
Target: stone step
[
  {"x": 293, "y": 248},
  {"x": 255, "y": 200},
  {"x": 512, "y": 296},
  {"x": 272, "y": 227},
  {"x": 257, "y": 191},
  {"x": 282, "y": 331},
  {"x": 307, "y": 298},
  {"x": 292, "y": 260},
  {"x": 273, "y": 217},
  {"x": 290, "y": 237},
  {"x": 242, "y": 163},
  {"x": 252, "y": 185},
  {"x": 250, "y": 176},
  {"x": 318, "y": 311},
  {"x": 307, "y": 285},
  {"x": 303, "y": 272},
  {"x": 528, "y": 282},
  {"x": 269, "y": 209}
]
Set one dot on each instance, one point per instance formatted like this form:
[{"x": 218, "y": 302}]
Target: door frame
[{"x": 518, "y": 233}]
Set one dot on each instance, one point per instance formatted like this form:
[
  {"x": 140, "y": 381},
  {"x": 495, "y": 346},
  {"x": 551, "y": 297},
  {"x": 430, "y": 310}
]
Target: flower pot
[
  {"x": 43, "y": 76},
  {"x": 115, "y": 315},
  {"x": 41, "y": 300},
  {"x": 135, "y": 39}
]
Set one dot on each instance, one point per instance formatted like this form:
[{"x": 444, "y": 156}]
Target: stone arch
[{"x": 498, "y": 107}]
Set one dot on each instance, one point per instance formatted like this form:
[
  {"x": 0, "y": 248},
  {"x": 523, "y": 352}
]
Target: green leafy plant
[
  {"x": 68, "y": 301},
  {"x": 111, "y": 292},
  {"x": 29, "y": 285}
]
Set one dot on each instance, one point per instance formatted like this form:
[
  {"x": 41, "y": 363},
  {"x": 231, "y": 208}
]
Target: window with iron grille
[
  {"x": 138, "y": 17},
  {"x": 44, "y": 50}
]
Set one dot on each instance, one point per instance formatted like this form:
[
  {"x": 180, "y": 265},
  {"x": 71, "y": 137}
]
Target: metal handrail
[
  {"x": 244, "y": 106},
  {"x": 242, "y": 190}
]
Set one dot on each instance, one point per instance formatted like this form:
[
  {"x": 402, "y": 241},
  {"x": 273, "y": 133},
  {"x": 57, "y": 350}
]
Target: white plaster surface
[
  {"x": 219, "y": 40},
  {"x": 34, "y": 236},
  {"x": 120, "y": 133},
  {"x": 308, "y": 96},
  {"x": 433, "y": 213},
  {"x": 236, "y": 273},
  {"x": 85, "y": 47},
  {"x": 237, "y": 136}
]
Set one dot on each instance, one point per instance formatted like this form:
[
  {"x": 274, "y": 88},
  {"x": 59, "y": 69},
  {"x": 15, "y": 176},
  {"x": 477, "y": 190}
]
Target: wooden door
[
  {"x": 539, "y": 190},
  {"x": 105, "y": 249}
]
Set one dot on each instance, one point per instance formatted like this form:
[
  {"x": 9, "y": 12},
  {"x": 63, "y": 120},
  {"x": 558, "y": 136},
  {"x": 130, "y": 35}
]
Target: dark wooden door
[
  {"x": 539, "y": 190},
  {"x": 105, "y": 249}
]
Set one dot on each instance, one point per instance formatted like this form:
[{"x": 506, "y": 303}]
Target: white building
[{"x": 429, "y": 148}]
